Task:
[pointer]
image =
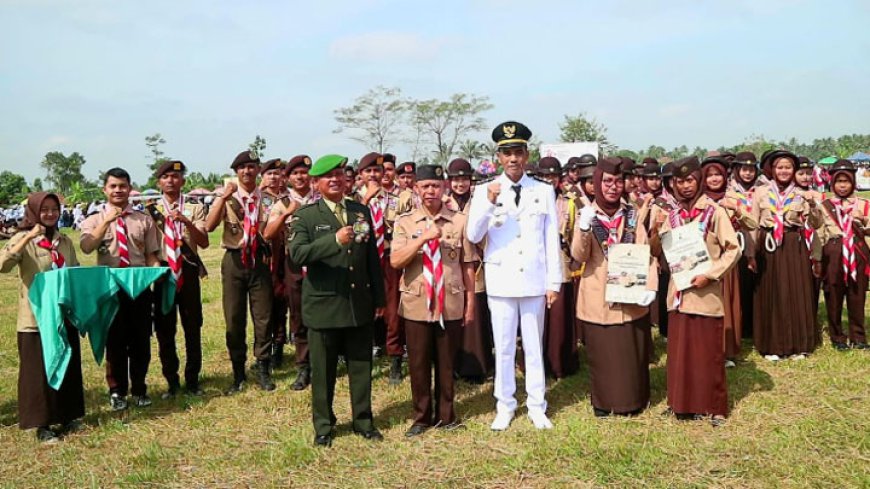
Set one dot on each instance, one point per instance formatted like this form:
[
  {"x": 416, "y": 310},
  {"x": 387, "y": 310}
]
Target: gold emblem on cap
[
  {"x": 253, "y": 155},
  {"x": 177, "y": 166},
  {"x": 438, "y": 171},
  {"x": 509, "y": 131},
  {"x": 307, "y": 161}
]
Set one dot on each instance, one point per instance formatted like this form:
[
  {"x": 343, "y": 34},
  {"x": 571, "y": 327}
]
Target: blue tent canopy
[{"x": 860, "y": 156}]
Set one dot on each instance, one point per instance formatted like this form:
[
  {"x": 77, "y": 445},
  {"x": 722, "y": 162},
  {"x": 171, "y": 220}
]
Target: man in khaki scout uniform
[
  {"x": 181, "y": 227},
  {"x": 245, "y": 274},
  {"x": 408, "y": 198},
  {"x": 124, "y": 237},
  {"x": 342, "y": 294},
  {"x": 437, "y": 261},
  {"x": 386, "y": 205},
  {"x": 300, "y": 194}
]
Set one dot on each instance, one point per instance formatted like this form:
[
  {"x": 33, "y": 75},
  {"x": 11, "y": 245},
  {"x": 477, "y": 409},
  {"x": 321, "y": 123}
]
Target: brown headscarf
[
  {"x": 611, "y": 166},
  {"x": 716, "y": 195},
  {"x": 31, "y": 211}
]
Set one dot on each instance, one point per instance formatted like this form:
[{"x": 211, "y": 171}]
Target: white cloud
[{"x": 385, "y": 46}]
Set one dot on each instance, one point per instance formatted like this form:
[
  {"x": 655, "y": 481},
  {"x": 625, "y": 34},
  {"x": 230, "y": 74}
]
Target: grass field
[{"x": 792, "y": 424}]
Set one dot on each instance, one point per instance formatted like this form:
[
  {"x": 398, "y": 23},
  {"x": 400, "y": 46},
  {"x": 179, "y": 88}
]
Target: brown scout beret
[
  {"x": 686, "y": 166},
  {"x": 273, "y": 164},
  {"x": 745, "y": 158},
  {"x": 549, "y": 165},
  {"x": 244, "y": 158},
  {"x": 430, "y": 172},
  {"x": 613, "y": 165},
  {"x": 389, "y": 158},
  {"x": 298, "y": 160},
  {"x": 459, "y": 167},
  {"x": 171, "y": 165},
  {"x": 371, "y": 159},
  {"x": 406, "y": 168}
]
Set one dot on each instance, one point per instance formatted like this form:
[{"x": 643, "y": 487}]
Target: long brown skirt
[
  {"x": 560, "y": 340},
  {"x": 696, "y": 365},
  {"x": 784, "y": 323},
  {"x": 748, "y": 280},
  {"x": 733, "y": 319},
  {"x": 618, "y": 365},
  {"x": 38, "y": 404},
  {"x": 474, "y": 358}
]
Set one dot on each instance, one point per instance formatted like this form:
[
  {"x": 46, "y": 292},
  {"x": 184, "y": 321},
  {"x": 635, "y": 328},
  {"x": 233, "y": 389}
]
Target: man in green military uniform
[{"x": 342, "y": 294}]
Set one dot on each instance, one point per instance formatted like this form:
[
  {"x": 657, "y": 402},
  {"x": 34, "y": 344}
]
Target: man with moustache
[
  {"x": 342, "y": 294},
  {"x": 517, "y": 216},
  {"x": 245, "y": 274}
]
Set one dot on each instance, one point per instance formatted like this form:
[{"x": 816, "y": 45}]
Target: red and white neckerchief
[
  {"x": 121, "y": 237},
  {"x": 780, "y": 204},
  {"x": 172, "y": 236},
  {"x": 843, "y": 209},
  {"x": 611, "y": 224},
  {"x": 376, "y": 206},
  {"x": 250, "y": 228},
  {"x": 57, "y": 260},
  {"x": 433, "y": 275}
]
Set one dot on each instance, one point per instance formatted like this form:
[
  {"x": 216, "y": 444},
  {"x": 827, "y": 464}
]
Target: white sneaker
[
  {"x": 730, "y": 364},
  {"x": 502, "y": 421},
  {"x": 540, "y": 420},
  {"x": 772, "y": 358},
  {"x": 799, "y": 356}
]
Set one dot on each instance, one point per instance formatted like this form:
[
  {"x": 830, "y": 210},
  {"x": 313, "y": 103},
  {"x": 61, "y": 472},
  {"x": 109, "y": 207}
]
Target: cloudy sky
[{"x": 97, "y": 76}]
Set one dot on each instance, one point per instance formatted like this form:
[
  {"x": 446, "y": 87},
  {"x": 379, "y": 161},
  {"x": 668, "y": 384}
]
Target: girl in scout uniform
[
  {"x": 437, "y": 297},
  {"x": 696, "y": 357},
  {"x": 616, "y": 334},
  {"x": 38, "y": 247},
  {"x": 742, "y": 186},
  {"x": 845, "y": 255},
  {"x": 784, "y": 323}
]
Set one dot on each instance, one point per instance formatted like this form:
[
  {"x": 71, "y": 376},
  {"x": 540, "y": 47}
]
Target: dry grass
[{"x": 793, "y": 424}]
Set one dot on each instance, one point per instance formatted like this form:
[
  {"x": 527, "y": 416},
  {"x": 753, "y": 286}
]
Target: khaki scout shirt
[
  {"x": 799, "y": 210},
  {"x": 194, "y": 212},
  {"x": 32, "y": 260},
  {"x": 830, "y": 228},
  {"x": 591, "y": 306},
  {"x": 234, "y": 224},
  {"x": 567, "y": 212},
  {"x": 455, "y": 250},
  {"x": 721, "y": 241},
  {"x": 142, "y": 237}
]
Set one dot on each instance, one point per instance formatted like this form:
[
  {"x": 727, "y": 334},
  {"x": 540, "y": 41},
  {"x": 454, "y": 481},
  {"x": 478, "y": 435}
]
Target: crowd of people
[{"x": 464, "y": 274}]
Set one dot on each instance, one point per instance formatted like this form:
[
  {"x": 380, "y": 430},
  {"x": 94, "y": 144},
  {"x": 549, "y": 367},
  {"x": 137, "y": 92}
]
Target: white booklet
[
  {"x": 627, "y": 273},
  {"x": 687, "y": 254}
]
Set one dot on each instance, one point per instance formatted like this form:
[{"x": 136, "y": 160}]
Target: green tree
[
  {"x": 375, "y": 118},
  {"x": 446, "y": 122},
  {"x": 655, "y": 152},
  {"x": 258, "y": 146},
  {"x": 582, "y": 128},
  {"x": 63, "y": 171},
  {"x": 36, "y": 186},
  {"x": 153, "y": 143},
  {"x": 13, "y": 188},
  {"x": 84, "y": 191},
  {"x": 472, "y": 150},
  {"x": 626, "y": 153}
]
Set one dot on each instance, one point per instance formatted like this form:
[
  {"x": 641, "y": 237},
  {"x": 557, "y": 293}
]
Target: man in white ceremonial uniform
[{"x": 516, "y": 215}]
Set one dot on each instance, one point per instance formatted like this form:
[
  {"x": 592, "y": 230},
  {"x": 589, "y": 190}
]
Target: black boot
[
  {"x": 303, "y": 379},
  {"x": 264, "y": 376},
  {"x": 396, "y": 371},
  {"x": 277, "y": 355},
  {"x": 239, "y": 378}
]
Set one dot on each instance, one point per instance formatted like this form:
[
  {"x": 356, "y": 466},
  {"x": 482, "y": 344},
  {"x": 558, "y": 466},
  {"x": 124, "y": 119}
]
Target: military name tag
[{"x": 322, "y": 227}]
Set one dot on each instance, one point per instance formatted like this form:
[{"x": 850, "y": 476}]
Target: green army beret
[{"x": 326, "y": 164}]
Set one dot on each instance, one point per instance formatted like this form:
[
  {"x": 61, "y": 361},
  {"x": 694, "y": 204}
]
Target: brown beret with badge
[
  {"x": 371, "y": 159},
  {"x": 685, "y": 167},
  {"x": 745, "y": 158},
  {"x": 168, "y": 166},
  {"x": 244, "y": 158},
  {"x": 549, "y": 165},
  {"x": 459, "y": 167},
  {"x": 298, "y": 160},
  {"x": 273, "y": 164},
  {"x": 612, "y": 165},
  {"x": 406, "y": 168}
]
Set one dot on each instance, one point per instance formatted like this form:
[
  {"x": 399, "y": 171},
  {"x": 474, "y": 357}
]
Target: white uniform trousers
[{"x": 504, "y": 312}]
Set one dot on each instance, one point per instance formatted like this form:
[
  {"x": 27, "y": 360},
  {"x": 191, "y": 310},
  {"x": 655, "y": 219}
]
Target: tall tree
[
  {"x": 36, "y": 186},
  {"x": 448, "y": 121},
  {"x": 375, "y": 118},
  {"x": 258, "y": 146},
  {"x": 582, "y": 128},
  {"x": 63, "y": 171},
  {"x": 158, "y": 157},
  {"x": 472, "y": 150},
  {"x": 13, "y": 188}
]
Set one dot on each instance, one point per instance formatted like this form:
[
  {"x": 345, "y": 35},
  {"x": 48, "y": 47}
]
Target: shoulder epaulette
[{"x": 535, "y": 177}]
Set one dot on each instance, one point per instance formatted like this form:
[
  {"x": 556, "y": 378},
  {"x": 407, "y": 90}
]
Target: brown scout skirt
[
  {"x": 696, "y": 365},
  {"x": 560, "y": 335},
  {"x": 618, "y": 357}
]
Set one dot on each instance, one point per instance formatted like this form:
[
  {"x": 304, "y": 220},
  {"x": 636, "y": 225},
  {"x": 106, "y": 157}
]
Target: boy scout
[
  {"x": 301, "y": 194},
  {"x": 245, "y": 275},
  {"x": 384, "y": 207},
  {"x": 181, "y": 226},
  {"x": 523, "y": 267},
  {"x": 430, "y": 247},
  {"x": 342, "y": 294},
  {"x": 124, "y": 237}
]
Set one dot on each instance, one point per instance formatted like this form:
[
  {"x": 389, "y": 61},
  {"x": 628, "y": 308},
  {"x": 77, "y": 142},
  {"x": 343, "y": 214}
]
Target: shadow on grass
[{"x": 745, "y": 379}]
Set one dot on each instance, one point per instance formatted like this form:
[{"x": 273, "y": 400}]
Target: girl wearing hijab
[
  {"x": 663, "y": 203},
  {"x": 784, "y": 323},
  {"x": 39, "y": 247},
  {"x": 803, "y": 180},
  {"x": 616, "y": 334},
  {"x": 845, "y": 256},
  {"x": 714, "y": 185},
  {"x": 696, "y": 357},
  {"x": 742, "y": 187}
]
